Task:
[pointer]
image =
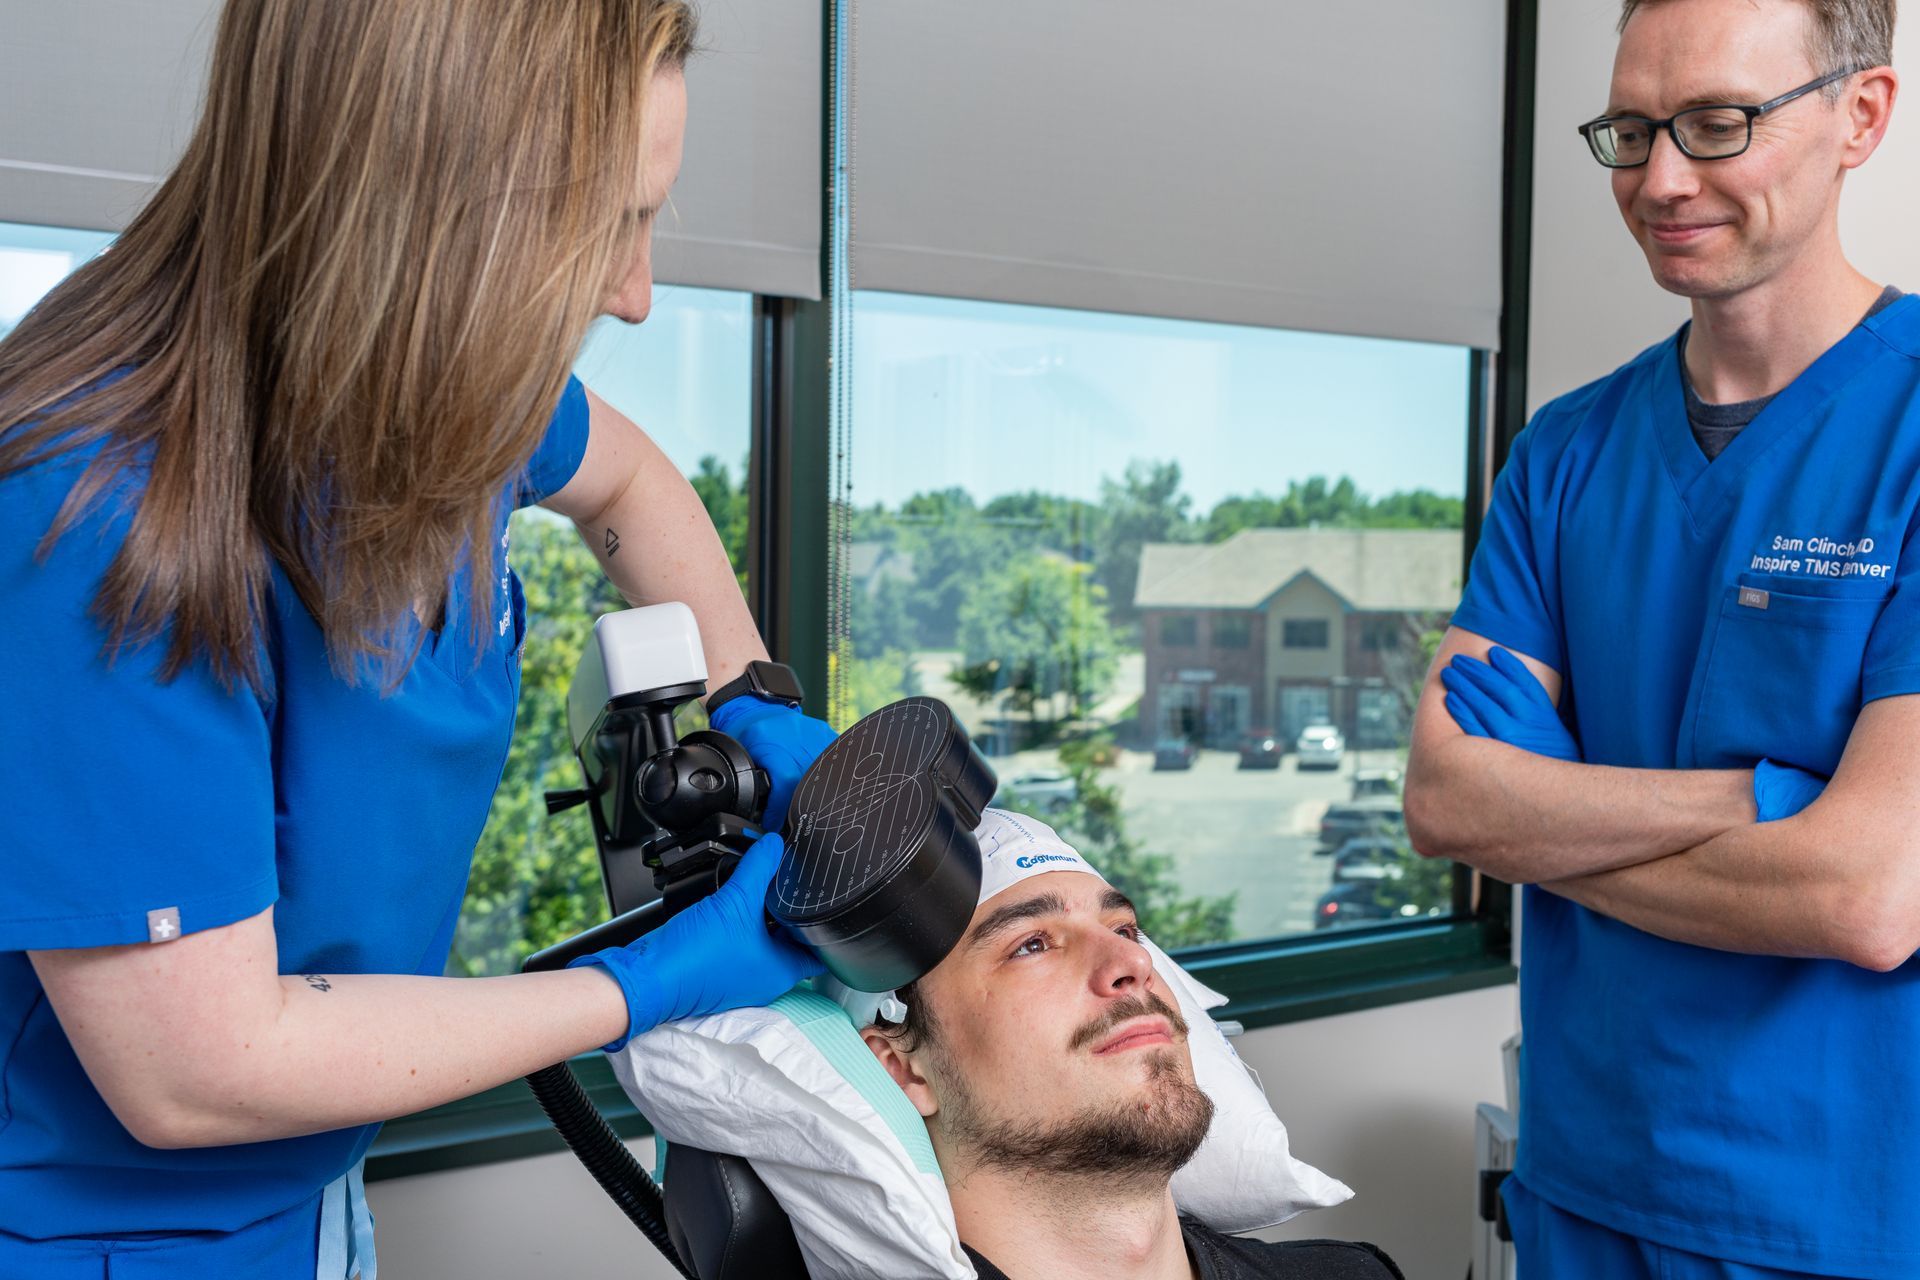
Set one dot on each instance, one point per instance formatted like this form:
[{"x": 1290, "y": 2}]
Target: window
[
  {"x": 1379, "y": 635},
  {"x": 1228, "y": 704},
  {"x": 685, "y": 377},
  {"x": 1034, "y": 489},
  {"x": 1302, "y": 705},
  {"x": 34, "y": 259},
  {"x": 1304, "y": 633}
]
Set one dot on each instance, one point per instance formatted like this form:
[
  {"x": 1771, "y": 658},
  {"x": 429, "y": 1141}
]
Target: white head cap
[{"x": 1013, "y": 847}]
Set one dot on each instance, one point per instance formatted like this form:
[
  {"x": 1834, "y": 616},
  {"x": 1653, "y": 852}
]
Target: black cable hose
[{"x": 605, "y": 1156}]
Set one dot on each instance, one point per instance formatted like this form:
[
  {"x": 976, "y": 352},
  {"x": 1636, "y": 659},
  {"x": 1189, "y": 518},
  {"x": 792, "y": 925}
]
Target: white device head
[{"x": 656, "y": 646}]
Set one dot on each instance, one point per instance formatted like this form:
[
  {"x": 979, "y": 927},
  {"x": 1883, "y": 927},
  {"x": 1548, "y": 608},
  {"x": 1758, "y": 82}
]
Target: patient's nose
[{"x": 1124, "y": 967}]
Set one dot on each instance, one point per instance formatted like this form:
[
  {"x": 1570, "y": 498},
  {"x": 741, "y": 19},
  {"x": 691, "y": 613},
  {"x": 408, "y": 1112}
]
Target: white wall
[
  {"x": 1594, "y": 304},
  {"x": 1383, "y": 1099}
]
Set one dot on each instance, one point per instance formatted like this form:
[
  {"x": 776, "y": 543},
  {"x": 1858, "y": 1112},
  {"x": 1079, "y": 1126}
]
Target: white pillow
[
  {"x": 792, "y": 1088},
  {"x": 1243, "y": 1178}
]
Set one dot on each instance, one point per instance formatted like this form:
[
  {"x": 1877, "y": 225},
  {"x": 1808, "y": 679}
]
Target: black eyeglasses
[{"x": 1704, "y": 133}]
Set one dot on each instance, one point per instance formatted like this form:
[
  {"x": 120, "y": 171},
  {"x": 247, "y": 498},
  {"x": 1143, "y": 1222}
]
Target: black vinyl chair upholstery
[{"x": 724, "y": 1221}]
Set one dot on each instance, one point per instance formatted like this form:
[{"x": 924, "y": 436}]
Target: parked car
[
  {"x": 1320, "y": 747},
  {"x": 1376, "y": 782},
  {"x": 1363, "y": 902},
  {"x": 1374, "y": 816},
  {"x": 1047, "y": 790},
  {"x": 1174, "y": 753},
  {"x": 1370, "y": 858},
  {"x": 1261, "y": 749}
]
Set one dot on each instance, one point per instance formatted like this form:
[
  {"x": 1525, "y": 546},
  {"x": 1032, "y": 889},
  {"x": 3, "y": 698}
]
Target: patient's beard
[{"x": 1119, "y": 1141}]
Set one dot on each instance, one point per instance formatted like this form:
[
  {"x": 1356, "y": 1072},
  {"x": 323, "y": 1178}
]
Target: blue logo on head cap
[{"x": 1035, "y": 859}]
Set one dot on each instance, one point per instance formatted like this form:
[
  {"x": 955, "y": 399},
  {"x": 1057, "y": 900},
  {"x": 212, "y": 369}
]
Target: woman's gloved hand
[
  {"x": 1501, "y": 699},
  {"x": 783, "y": 740},
  {"x": 715, "y": 955},
  {"x": 1780, "y": 790}
]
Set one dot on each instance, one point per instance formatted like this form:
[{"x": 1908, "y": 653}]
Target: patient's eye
[
  {"x": 1132, "y": 929},
  {"x": 1037, "y": 941}
]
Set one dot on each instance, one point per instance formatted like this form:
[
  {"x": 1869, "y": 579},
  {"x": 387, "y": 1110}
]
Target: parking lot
[{"x": 1253, "y": 831}]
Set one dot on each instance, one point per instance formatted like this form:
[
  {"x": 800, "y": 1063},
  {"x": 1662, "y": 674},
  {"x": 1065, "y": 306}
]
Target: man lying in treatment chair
[{"x": 1051, "y": 1066}]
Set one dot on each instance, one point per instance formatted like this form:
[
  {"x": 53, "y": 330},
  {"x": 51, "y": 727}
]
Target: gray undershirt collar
[{"x": 1716, "y": 425}]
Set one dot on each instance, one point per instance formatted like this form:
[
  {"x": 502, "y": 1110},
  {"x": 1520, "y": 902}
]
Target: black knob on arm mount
[
  {"x": 561, "y": 801},
  {"x": 671, "y": 815}
]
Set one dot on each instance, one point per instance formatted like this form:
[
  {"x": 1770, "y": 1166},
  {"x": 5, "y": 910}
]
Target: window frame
[
  {"x": 1267, "y": 983},
  {"x": 1186, "y": 623},
  {"x": 1237, "y": 625},
  {"x": 1379, "y": 635},
  {"x": 1291, "y": 627}
]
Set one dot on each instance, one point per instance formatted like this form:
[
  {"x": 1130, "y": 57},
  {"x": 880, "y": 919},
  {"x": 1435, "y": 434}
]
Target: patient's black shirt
[{"x": 1218, "y": 1257}]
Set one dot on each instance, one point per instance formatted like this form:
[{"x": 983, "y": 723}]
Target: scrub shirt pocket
[{"x": 1782, "y": 681}]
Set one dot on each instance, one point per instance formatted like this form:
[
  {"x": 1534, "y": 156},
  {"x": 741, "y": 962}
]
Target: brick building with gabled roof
[{"x": 1281, "y": 628}]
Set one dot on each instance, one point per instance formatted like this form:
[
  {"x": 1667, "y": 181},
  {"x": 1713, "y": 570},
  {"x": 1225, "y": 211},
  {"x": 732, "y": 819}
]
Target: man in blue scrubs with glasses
[{"x": 1677, "y": 700}]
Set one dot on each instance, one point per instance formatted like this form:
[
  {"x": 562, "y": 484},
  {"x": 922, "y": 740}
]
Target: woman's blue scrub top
[
  {"x": 1707, "y": 615},
  {"x": 135, "y": 808}
]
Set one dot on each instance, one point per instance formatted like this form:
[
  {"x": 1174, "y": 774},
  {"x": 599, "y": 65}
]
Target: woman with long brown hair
[{"x": 256, "y": 464}]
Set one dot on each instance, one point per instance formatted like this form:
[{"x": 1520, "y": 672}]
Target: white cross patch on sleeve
[{"x": 163, "y": 925}]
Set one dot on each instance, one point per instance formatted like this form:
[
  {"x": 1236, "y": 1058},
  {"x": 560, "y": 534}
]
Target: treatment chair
[
  {"x": 711, "y": 1214},
  {"x": 711, "y": 1210},
  {"x": 723, "y": 1220}
]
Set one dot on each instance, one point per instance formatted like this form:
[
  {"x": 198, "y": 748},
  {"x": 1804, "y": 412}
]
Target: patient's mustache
[{"x": 1123, "y": 1009}]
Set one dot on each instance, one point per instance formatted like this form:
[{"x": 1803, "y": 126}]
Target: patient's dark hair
[{"x": 919, "y": 1027}]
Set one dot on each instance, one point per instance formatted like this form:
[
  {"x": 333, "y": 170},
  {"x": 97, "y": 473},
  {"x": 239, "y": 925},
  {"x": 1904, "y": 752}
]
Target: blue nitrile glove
[
  {"x": 1501, "y": 699},
  {"x": 1780, "y": 790},
  {"x": 783, "y": 740},
  {"x": 715, "y": 955}
]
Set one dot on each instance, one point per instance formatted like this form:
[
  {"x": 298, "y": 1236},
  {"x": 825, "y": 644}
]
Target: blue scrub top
[
  {"x": 1706, "y": 615},
  {"x": 354, "y": 815}
]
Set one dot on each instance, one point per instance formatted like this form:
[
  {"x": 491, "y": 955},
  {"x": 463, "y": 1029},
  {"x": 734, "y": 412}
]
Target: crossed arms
[{"x": 1680, "y": 853}]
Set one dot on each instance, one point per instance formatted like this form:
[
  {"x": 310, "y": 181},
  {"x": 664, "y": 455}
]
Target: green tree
[
  {"x": 536, "y": 879},
  {"x": 1042, "y": 521},
  {"x": 953, "y": 546},
  {"x": 1417, "y": 509},
  {"x": 1426, "y": 884},
  {"x": 1036, "y": 628},
  {"x": 727, "y": 507},
  {"x": 1306, "y": 502},
  {"x": 869, "y": 684},
  {"x": 1418, "y": 886},
  {"x": 870, "y": 524},
  {"x": 1337, "y": 505},
  {"x": 1252, "y": 511},
  {"x": 876, "y": 663},
  {"x": 1144, "y": 505},
  {"x": 1095, "y": 824},
  {"x": 880, "y": 618}
]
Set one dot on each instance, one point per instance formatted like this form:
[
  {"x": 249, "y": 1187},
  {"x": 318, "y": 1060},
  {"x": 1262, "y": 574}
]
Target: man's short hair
[{"x": 1853, "y": 34}]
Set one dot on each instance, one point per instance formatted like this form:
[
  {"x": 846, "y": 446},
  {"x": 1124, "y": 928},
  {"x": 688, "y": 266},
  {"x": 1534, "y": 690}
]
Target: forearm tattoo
[
  {"x": 317, "y": 981},
  {"x": 612, "y": 542}
]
